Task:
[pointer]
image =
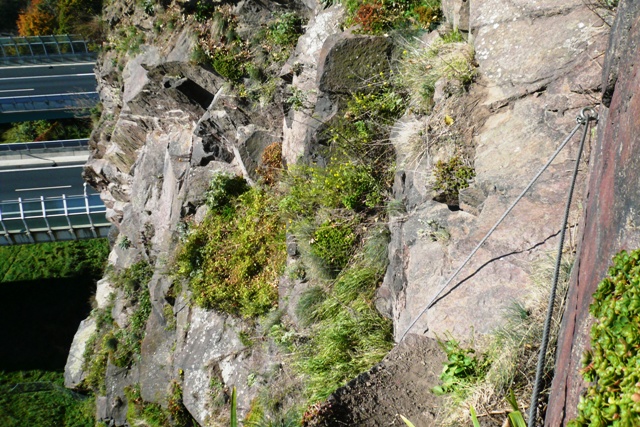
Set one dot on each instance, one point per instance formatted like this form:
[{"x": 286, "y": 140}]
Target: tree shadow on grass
[{"x": 38, "y": 320}]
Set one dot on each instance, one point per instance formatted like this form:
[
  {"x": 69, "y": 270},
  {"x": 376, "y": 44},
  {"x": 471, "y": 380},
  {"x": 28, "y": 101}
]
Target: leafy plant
[
  {"x": 462, "y": 367},
  {"x": 451, "y": 177},
  {"x": 223, "y": 188},
  {"x": 285, "y": 30},
  {"x": 140, "y": 412},
  {"x": 347, "y": 185},
  {"x": 124, "y": 242},
  {"x": 516, "y": 418},
  {"x": 378, "y": 16},
  {"x": 129, "y": 40},
  {"x": 234, "y": 258},
  {"x": 612, "y": 365},
  {"x": 204, "y": 10},
  {"x": 227, "y": 63}
]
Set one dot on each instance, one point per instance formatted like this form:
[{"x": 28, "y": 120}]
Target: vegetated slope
[{"x": 196, "y": 94}]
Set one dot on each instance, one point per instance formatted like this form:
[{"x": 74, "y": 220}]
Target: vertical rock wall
[
  {"x": 539, "y": 63},
  {"x": 612, "y": 210}
]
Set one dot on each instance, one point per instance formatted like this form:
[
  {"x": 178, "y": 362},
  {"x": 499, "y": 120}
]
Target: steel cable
[
  {"x": 586, "y": 115},
  {"x": 484, "y": 239}
]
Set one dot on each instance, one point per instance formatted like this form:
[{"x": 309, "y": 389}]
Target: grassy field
[
  {"x": 39, "y": 399},
  {"x": 53, "y": 260},
  {"x": 46, "y": 290}
]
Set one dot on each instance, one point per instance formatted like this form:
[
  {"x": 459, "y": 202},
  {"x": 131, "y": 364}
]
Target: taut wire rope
[{"x": 585, "y": 117}]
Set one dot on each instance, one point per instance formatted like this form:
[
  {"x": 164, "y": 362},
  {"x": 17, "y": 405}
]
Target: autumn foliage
[
  {"x": 46, "y": 17},
  {"x": 38, "y": 19}
]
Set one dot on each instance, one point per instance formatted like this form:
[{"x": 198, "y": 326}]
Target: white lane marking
[
  {"x": 16, "y": 90},
  {"x": 52, "y": 65},
  {"x": 40, "y": 169},
  {"x": 43, "y": 188},
  {"x": 47, "y": 94},
  {"x": 47, "y": 77}
]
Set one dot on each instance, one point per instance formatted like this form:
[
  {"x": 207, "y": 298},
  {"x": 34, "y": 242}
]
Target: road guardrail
[{"x": 50, "y": 219}]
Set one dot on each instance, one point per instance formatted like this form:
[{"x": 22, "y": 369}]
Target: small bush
[
  {"x": 340, "y": 185},
  {"x": 227, "y": 63},
  {"x": 144, "y": 413},
  {"x": 285, "y": 30},
  {"x": 39, "y": 399},
  {"x": 451, "y": 177},
  {"x": 378, "y": 16},
  {"x": 333, "y": 243},
  {"x": 612, "y": 364},
  {"x": 132, "y": 279},
  {"x": 129, "y": 40},
  {"x": 223, "y": 188},
  {"x": 205, "y": 9},
  {"x": 234, "y": 258}
]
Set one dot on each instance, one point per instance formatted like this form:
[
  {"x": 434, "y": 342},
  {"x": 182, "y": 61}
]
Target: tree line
[{"x": 45, "y": 17}]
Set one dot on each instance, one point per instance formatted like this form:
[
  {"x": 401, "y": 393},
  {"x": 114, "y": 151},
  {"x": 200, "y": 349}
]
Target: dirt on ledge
[{"x": 399, "y": 385}]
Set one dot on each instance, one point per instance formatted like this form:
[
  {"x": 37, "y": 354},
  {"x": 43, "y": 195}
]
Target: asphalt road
[
  {"x": 47, "y": 79},
  {"x": 48, "y": 182}
]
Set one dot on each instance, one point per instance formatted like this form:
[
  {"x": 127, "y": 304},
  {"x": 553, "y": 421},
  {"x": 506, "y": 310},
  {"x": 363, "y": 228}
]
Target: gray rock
[
  {"x": 73, "y": 372},
  {"x": 456, "y": 13},
  {"x": 345, "y": 60}
]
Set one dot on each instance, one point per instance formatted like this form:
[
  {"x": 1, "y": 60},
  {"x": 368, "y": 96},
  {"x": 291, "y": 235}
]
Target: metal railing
[
  {"x": 60, "y": 101},
  {"x": 51, "y": 47},
  {"x": 50, "y": 219},
  {"x": 43, "y": 145}
]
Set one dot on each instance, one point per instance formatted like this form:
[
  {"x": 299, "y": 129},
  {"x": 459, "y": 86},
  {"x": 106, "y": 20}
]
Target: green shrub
[
  {"x": 129, "y": 40},
  {"x": 205, "y": 9},
  {"x": 81, "y": 258},
  {"x": 144, "y": 413},
  {"x": 451, "y": 177},
  {"x": 462, "y": 367},
  {"x": 234, "y": 258},
  {"x": 347, "y": 185},
  {"x": 333, "y": 243},
  {"x": 612, "y": 365},
  {"x": 228, "y": 64},
  {"x": 223, "y": 188},
  {"x": 363, "y": 131},
  {"x": 39, "y": 399},
  {"x": 132, "y": 279},
  {"x": 378, "y": 16},
  {"x": 285, "y": 30}
]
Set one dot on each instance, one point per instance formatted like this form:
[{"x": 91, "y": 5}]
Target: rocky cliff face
[
  {"x": 610, "y": 214},
  {"x": 168, "y": 125}
]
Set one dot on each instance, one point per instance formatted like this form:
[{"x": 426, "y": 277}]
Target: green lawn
[{"x": 46, "y": 289}]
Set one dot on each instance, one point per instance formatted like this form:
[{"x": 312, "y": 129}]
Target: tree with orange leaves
[{"x": 38, "y": 19}]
